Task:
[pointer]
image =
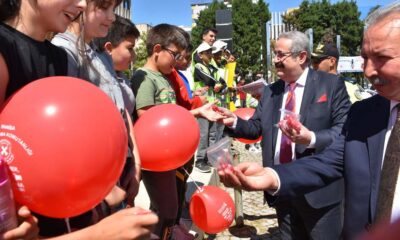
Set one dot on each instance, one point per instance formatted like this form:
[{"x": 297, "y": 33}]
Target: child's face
[
  {"x": 184, "y": 63},
  {"x": 123, "y": 54},
  {"x": 206, "y": 56},
  {"x": 56, "y": 15},
  {"x": 98, "y": 19},
  {"x": 165, "y": 59}
]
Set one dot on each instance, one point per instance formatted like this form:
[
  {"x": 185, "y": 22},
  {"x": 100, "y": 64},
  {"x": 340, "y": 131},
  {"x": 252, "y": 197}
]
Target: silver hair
[
  {"x": 300, "y": 42},
  {"x": 381, "y": 13}
]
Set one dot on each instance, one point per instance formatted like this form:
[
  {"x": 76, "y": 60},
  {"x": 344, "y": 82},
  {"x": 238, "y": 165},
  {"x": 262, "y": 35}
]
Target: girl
[
  {"x": 26, "y": 56},
  {"x": 87, "y": 63}
]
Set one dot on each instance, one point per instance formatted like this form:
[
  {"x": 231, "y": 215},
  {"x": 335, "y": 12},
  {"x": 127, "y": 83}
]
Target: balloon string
[
  {"x": 197, "y": 186},
  {"x": 68, "y": 225}
]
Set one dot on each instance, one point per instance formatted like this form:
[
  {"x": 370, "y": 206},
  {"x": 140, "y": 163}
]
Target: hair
[
  {"x": 300, "y": 42},
  {"x": 9, "y": 9},
  {"x": 120, "y": 30},
  {"x": 104, "y": 3},
  {"x": 189, "y": 47},
  {"x": 207, "y": 30},
  {"x": 381, "y": 13},
  {"x": 165, "y": 35}
]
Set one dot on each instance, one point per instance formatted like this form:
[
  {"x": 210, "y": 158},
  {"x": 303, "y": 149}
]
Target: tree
[
  {"x": 264, "y": 15},
  {"x": 248, "y": 31},
  {"x": 141, "y": 51},
  {"x": 206, "y": 20},
  {"x": 327, "y": 20}
]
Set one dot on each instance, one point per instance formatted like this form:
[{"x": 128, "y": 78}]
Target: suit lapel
[
  {"x": 375, "y": 145},
  {"x": 277, "y": 98},
  {"x": 308, "y": 94}
]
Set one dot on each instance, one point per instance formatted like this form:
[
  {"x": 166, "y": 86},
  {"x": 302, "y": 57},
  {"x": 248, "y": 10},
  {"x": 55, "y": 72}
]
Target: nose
[
  {"x": 81, "y": 5},
  {"x": 370, "y": 71}
]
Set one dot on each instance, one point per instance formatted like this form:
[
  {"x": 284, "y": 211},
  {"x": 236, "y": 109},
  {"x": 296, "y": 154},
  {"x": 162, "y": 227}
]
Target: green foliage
[
  {"x": 141, "y": 52},
  {"x": 206, "y": 20},
  {"x": 249, "y": 34},
  {"x": 329, "y": 20}
]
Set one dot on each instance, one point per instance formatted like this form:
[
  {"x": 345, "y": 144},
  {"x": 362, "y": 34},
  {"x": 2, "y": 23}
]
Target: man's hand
[
  {"x": 296, "y": 132},
  {"x": 228, "y": 117},
  {"x": 248, "y": 176},
  {"x": 28, "y": 228}
]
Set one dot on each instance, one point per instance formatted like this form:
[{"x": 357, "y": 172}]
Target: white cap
[
  {"x": 219, "y": 45},
  {"x": 204, "y": 47}
]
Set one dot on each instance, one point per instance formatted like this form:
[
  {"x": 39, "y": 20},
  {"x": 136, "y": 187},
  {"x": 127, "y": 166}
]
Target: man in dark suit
[
  {"x": 322, "y": 102},
  {"x": 366, "y": 153}
]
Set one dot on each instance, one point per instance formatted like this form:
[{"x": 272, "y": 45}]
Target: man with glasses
[{"x": 322, "y": 103}]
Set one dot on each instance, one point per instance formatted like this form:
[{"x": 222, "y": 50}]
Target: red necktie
[{"x": 285, "y": 154}]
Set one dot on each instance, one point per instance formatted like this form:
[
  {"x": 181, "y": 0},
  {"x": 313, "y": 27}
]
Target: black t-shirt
[{"x": 28, "y": 60}]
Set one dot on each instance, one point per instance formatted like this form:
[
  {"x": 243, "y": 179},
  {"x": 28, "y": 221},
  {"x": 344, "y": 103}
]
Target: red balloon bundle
[
  {"x": 167, "y": 136},
  {"x": 65, "y": 143},
  {"x": 246, "y": 114},
  {"x": 212, "y": 209}
]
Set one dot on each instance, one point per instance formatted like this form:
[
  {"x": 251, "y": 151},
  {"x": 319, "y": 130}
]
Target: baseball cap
[
  {"x": 219, "y": 46},
  {"x": 204, "y": 47},
  {"x": 325, "y": 50}
]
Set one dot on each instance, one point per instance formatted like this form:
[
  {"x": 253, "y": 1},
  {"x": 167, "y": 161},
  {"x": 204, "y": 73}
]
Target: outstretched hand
[
  {"x": 248, "y": 176},
  {"x": 208, "y": 111}
]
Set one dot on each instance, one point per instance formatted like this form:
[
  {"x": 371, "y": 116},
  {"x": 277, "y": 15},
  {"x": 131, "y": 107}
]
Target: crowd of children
[{"x": 94, "y": 44}]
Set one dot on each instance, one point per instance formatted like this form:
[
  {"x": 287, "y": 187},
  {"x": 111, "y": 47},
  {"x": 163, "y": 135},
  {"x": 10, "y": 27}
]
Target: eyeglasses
[
  {"x": 175, "y": 55},
  {"x": 283, "y": 55}
]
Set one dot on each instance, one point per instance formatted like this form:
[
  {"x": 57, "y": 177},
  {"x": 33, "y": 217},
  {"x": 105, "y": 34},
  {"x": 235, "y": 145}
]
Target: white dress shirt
[
  {"x": 396, "y": 200},
  {"x": 298, "y": 92}
]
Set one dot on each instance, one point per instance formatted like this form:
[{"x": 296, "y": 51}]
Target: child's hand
[{"x": 28, "y": 228}]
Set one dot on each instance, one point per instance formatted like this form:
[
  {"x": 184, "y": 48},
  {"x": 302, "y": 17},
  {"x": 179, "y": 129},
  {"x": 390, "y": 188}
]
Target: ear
[
  {"x": 303, "y": 57},
  {"x": 108, "y": 47},
  {"x": 157, "y": 48}
]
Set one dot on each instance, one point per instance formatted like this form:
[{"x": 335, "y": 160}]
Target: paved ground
[{"x": 259, "y": 219}]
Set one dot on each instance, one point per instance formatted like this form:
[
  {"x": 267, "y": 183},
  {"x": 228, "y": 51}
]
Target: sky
[{"x": 178, "y": 12}]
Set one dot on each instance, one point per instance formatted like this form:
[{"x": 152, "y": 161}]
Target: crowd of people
[{"x": 329, "y": 168}]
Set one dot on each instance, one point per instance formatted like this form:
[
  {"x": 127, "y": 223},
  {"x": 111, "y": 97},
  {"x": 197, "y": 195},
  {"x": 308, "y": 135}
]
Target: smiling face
[
  {"x": 165, "y": 59},
  {"x": 381, "y": 53},
  {"x": 98, "y": 19},
  {"x": 288, "y": 64},
  {"x": 51, "y": 15}
]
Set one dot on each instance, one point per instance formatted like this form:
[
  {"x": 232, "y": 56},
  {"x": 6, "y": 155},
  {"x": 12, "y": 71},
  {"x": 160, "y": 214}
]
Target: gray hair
[
  {"x": 381, "y": 13},
  {"x": 300, "y": 42}
]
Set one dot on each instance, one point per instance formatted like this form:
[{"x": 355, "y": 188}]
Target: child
[
  {"x": 117, "y": 49},
  {"x": 27, "y": 56},
  {"x": 205, "y": 75},
  {"x": 164, "y": 46}
]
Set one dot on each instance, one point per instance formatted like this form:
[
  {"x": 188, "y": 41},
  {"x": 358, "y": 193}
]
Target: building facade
[{"x": 124, "y": 9}]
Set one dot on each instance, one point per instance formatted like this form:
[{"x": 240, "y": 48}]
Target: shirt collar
[
  {"x": 393, "y": 104},
  {"x": 301, "y": 81}
]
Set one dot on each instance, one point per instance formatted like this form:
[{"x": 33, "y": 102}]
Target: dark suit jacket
[
  {"x": 356, "y": 155},
  {"x": 324, "y": 118}
]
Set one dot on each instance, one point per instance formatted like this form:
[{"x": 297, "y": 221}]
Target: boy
[
  {"x": 118, "y": 52},
  {"x": 165, "y": 44}
]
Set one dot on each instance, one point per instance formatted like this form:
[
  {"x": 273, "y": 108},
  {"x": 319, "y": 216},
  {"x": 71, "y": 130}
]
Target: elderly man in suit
[
  {"x": 366, "y": 153},
  {"x": 322, "y": 102}
]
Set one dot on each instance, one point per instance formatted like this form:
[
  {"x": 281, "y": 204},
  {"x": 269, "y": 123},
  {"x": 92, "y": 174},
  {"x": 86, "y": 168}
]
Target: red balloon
[
  {"x": 212, "y": 209},
  {"x": 246, "y": 114},
  {"x": 167, "y": 136},
  {"x": 65, "y": 143}
]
